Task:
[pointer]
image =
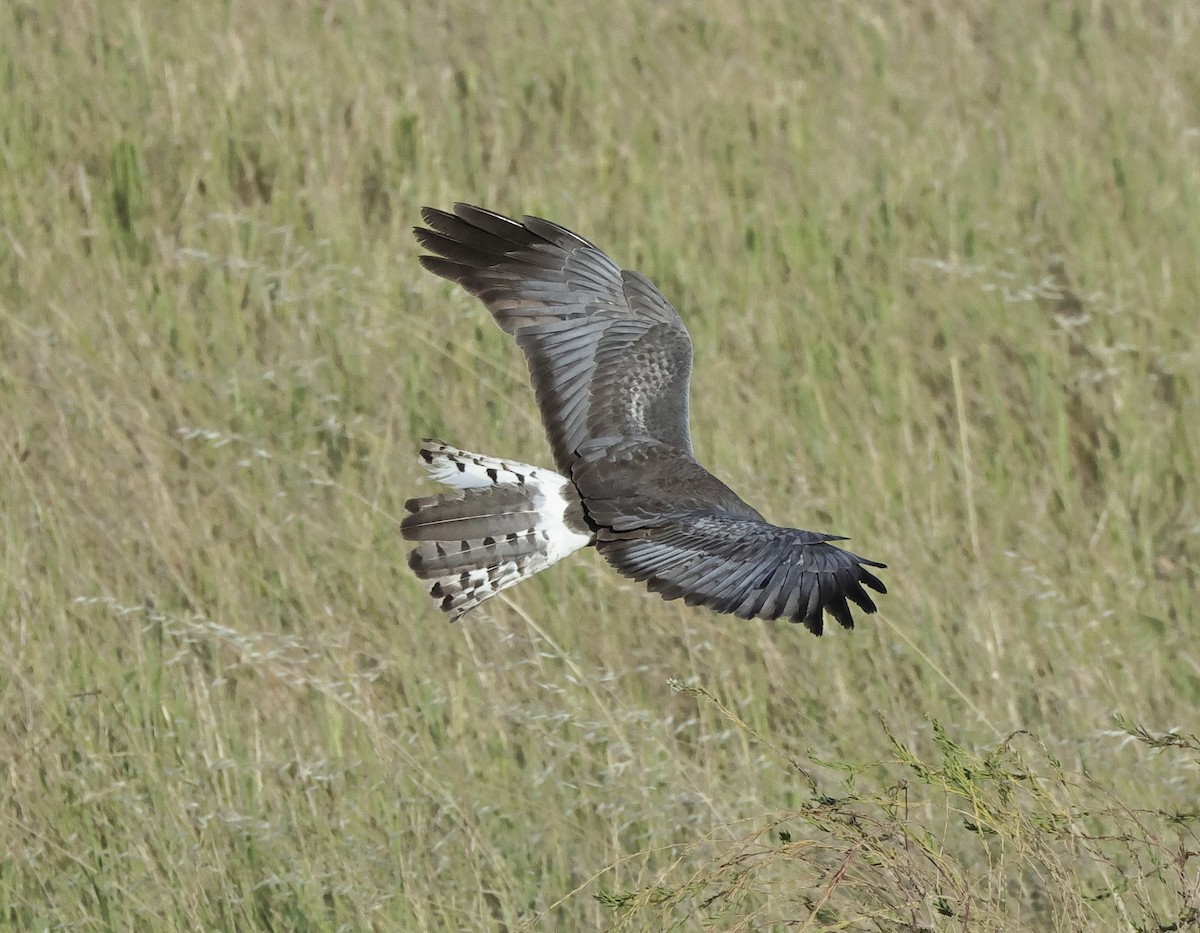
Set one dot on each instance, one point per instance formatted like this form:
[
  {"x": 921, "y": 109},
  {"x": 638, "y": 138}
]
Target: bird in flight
[{"x": 610, "y": 362}]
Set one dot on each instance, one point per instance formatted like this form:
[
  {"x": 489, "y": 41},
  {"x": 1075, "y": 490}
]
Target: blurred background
[{"x": 939, "y": 265}]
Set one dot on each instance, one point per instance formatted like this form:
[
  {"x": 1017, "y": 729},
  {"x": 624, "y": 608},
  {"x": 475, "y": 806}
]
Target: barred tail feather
[{"x": 505, "y": 522}]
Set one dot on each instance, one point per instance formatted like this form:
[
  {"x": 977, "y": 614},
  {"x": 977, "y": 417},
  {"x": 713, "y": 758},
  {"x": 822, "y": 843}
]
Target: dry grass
[{"x": 939, "y": 265}]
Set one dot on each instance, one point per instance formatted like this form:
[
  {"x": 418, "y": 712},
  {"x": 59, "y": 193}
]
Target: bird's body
[{"x": 611, "y": 363}]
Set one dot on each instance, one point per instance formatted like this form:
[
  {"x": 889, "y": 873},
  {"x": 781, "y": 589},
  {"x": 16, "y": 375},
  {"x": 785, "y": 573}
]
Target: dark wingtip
[
  {"x": 444, "y": 268},
  {"x": 426, "y": 238},
  {"x": 872, "y": 581},
  {"x": 841, "y": 611},
  {"x": 863, "y": 601},
  {"x": 432, "y": 215},
  {"x": 465, "y": 209}
]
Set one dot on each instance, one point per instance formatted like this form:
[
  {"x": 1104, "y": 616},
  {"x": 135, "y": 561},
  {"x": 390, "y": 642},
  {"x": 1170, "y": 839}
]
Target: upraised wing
[{"x": 607, "y": 353}]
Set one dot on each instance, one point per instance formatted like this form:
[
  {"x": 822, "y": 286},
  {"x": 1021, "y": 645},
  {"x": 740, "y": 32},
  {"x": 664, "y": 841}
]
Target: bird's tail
[{"x": 505, "y": 522}]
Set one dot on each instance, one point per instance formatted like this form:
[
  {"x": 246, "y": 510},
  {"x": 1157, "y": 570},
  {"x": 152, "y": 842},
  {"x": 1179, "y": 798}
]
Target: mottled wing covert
[{"x": 607, "y": 353}]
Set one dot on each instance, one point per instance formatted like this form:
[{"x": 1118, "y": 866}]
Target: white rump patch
[
  {"x": 483, "y": 571},
  {"x": 463, "y": 469},
  {"x": 561, "y": 540}
]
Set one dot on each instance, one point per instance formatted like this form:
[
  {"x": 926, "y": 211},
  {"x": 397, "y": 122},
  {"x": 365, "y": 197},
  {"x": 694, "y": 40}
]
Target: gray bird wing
[
  {"x": 665, "y": 520},
  {"x": 607, "y": 353}
]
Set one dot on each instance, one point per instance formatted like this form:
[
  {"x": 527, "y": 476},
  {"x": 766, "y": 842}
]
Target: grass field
[{"x": 941, "y": 267}]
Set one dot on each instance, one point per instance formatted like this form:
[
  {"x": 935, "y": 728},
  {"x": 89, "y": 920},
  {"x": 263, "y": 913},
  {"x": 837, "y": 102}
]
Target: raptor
[{"x": 611, "y": 363}]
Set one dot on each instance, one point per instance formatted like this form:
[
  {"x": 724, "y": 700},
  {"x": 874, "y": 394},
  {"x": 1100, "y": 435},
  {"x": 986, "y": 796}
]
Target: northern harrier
[{"x": 610, "y": 362}]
